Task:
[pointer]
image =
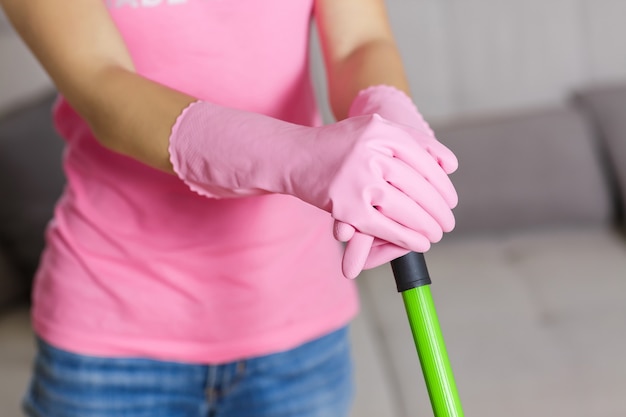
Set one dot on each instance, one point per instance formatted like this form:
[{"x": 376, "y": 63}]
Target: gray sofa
[{"x": 530, "y": 287}]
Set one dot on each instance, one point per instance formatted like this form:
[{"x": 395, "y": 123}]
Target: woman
[{"x": 190, "y": 267}]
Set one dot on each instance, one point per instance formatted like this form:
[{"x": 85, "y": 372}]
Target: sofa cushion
[
  {"x": 31, "y": 180},
  {"x": 521, "y": 314},
  {"x": 606, "y": 106},
  {"x": 528, "y": 170}
]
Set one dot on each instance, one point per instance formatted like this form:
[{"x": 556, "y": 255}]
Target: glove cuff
[{"x": 178, "y": 156}]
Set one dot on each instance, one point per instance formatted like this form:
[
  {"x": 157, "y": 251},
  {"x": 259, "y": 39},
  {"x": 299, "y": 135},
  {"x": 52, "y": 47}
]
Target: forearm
[
  {"x": 86, "y": 58},
  {"x": 133, "y": 115},
  {"x": 373, "y": 63}
]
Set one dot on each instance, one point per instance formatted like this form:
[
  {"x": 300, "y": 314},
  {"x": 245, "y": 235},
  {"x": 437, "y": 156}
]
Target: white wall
[
  {"x": 21, "y": 78},
  {"x": 463, "y": 56},
  {"x": 477, "y": 56}
]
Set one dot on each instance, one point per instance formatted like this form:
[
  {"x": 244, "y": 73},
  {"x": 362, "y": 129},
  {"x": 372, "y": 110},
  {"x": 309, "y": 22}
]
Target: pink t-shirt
[{"x": 136, "y": 264}]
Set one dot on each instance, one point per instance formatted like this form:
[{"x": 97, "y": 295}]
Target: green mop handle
[{"x": 413, "y": 281}]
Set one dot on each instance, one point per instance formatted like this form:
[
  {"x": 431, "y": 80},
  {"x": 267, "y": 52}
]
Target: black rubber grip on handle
[{"x": 410, "y": 271}]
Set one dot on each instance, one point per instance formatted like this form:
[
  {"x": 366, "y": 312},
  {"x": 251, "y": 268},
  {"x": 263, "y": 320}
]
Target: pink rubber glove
[
  {"x": 364, "y": 251},
  {"x": 365, "y": 171}
]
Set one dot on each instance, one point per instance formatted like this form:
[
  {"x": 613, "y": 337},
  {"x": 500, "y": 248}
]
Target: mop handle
[{"x": 413, "y": 281}]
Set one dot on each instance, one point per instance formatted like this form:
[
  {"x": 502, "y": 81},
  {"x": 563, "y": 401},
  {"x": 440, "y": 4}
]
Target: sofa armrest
[
  {"x": 31, "y": 180},
  {"x": 12, "y": 285},
  {"x": 606, "y": 107}
]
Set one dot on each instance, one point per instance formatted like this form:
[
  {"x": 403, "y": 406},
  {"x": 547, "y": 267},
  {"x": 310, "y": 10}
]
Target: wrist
[
  {"x": 373, "y": 99},
  {"x": 391, "y": 103}
]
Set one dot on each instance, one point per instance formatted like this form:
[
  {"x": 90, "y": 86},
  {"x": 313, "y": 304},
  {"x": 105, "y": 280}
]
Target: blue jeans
[{"x": 313, "y": 380}]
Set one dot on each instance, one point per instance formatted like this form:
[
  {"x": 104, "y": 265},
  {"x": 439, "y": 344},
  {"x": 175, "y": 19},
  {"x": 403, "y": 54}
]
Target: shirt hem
[{"x": 86, "y": 343}]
